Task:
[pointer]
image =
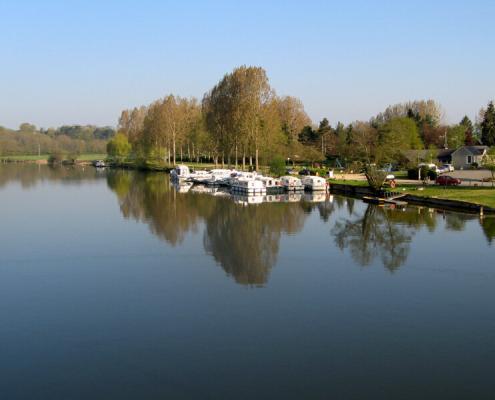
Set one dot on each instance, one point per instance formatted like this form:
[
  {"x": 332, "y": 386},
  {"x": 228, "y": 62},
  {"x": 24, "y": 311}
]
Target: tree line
[
  {"x": 242, "y": 121},
  {"x": 67, "y": 139}
]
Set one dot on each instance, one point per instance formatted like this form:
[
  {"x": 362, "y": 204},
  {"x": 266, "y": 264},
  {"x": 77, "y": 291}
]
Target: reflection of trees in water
[
  {"x": 243, "y": 240},
  {"x": 30, "y": 174},
  {"x": 373, "y": 235},
  {"x": 386, "y": 232},
  {"x": 148, "y": 197},
  {"x": 488, "y": 226}
]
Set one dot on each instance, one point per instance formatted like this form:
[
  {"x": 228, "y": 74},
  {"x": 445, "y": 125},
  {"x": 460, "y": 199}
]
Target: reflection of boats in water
[
  {"x": 212, "y": 190},
  {"x": 182, "y": 187},
  {"x": 246, "y": 196},
  {"x": 246, "y": 200},
  {"x": 315, "y": 197},
  {"x": 292, "y": 197}
]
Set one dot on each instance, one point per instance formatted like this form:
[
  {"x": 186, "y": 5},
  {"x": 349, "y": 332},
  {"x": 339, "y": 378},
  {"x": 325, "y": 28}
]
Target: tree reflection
[
  {"x": 31, "y": 174},
  {"x": 488, "y": 226},
  {"x": 149, "y": 198},
  {"x": 373, "y": 235},
  {"x": 243, "y": 240}
]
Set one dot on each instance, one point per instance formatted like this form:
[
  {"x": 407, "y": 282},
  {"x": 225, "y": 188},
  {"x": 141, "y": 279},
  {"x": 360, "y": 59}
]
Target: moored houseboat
[
  {"x": 291, "y": 183},
  {"x": 314, "y": 183}
]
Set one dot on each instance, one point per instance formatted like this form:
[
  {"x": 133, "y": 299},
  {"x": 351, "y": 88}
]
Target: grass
[
  {"x": 82, "y": 157},
  {"x": 478, "y": 195}
]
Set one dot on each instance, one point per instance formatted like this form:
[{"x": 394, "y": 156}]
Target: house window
[{"x": 469, "y": 159}]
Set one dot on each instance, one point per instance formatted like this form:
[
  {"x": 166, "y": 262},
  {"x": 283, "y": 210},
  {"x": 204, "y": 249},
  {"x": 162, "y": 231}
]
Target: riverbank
[
  {"x": 467, "y": 199},
  {"x": 43, "y": 158}
]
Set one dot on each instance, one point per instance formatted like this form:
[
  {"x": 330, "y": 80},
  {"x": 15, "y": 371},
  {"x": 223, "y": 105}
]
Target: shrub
[
  {"x": 376, "y": 177},
  {"x": 433, "y": 175},
  {"x": 425, "y": 173},
  {"x": 56, "y": 158}
]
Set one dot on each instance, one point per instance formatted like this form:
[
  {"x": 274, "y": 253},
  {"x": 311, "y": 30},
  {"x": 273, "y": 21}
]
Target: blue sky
[{"x": 81, "y": 62}]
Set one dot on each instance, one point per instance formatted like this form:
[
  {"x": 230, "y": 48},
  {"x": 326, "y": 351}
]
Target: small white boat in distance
[
  {"x": 248, "y": 186},
  {"x": 291, "y": 183},
  {"x": 180, "y": 173},
  {"x": 314, "y": 183},
  {"x": 99, "y": 164}
]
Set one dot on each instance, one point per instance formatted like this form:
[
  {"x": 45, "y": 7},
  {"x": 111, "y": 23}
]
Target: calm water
[{"x": 115, "y": 286}]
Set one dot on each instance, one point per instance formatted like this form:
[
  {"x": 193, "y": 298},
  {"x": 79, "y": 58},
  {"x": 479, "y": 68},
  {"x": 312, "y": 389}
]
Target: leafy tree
[
  {"x": 308, "y": 135},
  {"x": 469, "y": 129},
  {"x": 375, "y": 177},
  {"x": 456, "y": 136},
  {"x": 488, "y": 126},
  {"x": 277, "y": 166},
  {"x": 400, "y": 134},
  {"x": 119, "y": 147},
  {"x": 292, "y": 116},
  {"x": 489, "y": 163},
  {"x": 27, "y": 128}
]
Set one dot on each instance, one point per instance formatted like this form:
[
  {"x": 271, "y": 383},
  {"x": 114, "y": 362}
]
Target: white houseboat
[
  {"x": 219, "y": 177},
  {"x": 272, "y": 185},
  {"x": 180, "y": 173},
  {"x": 314, "y": 183},
  {"x": 291, "y": 183},
  {"x": 247, "y": 186}
]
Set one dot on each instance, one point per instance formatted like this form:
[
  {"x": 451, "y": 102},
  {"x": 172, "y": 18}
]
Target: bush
[
  {"x": 433, "y": 175},
  {"x": 376, "y": 177},
  {"x": 412, "y": 173},
  {"x": 277, "y": 166},
  {"x": 56, "y": 158}
]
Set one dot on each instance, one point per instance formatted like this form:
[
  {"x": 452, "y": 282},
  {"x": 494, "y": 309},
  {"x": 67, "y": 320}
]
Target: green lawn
[
  {"x": 91, "y": 157},
  {"x": 478, "y": 195}
]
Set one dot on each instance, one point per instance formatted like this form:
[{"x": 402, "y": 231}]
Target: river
[{"x": 113, "y": 285}]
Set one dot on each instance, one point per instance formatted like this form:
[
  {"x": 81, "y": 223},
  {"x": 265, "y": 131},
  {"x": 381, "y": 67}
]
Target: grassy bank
[{"x": 477, "y": 195}]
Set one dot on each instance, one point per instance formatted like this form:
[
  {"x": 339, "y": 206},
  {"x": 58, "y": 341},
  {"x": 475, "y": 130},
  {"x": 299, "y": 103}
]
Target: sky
[{"x": 82, "y": 62}]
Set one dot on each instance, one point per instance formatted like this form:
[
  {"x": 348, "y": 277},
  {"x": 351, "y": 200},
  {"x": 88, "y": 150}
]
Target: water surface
[{"x": 113, "y": 285}]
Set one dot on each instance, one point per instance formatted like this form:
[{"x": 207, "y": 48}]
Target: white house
[{"x": 465, "y": 156}]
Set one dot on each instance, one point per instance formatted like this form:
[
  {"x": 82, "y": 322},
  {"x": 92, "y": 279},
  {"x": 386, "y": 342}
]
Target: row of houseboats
[{"x": 250, "y": 183}]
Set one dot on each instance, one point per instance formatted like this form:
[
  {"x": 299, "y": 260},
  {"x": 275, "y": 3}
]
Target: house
[
  {"x": 465, "y": 156},
  {"x": 461, "y": 158}
]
